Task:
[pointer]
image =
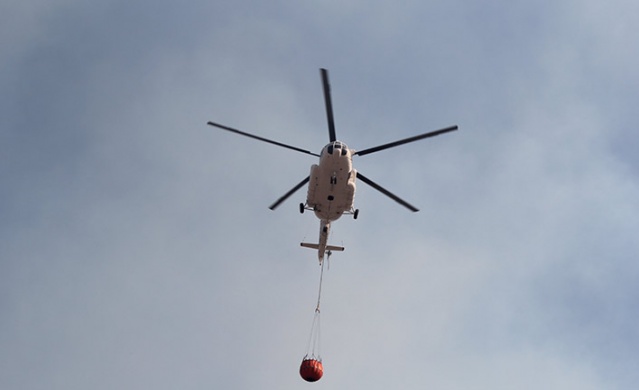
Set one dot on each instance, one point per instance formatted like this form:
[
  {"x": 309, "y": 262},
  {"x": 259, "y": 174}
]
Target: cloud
[{"x": 137, "y": 249}]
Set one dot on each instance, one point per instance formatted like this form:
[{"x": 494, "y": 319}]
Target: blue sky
[{"x": 137, "y": 249}]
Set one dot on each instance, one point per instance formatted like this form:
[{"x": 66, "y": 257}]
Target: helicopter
[{"x": 332, "y": 182}]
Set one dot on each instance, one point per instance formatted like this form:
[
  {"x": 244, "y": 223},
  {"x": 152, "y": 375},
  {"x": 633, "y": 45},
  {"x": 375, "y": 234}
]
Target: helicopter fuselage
[
  {"x": 331, "y": 188},
  {"x": 331, "y": 191}
]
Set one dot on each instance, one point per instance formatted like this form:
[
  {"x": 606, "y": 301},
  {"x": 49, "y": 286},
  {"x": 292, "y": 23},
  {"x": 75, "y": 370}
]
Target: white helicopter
[{"x": 331, "y": 188}]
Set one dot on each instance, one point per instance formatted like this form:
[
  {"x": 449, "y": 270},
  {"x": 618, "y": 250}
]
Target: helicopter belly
[{"x": 331, "y": 190}]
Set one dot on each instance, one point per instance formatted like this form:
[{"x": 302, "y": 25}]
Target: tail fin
[{"x": 328, "y": 247}]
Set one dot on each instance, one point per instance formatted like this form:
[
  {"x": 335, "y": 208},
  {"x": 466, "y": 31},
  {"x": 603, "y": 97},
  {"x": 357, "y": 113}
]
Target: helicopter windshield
[{"x": 336, "y": 145}]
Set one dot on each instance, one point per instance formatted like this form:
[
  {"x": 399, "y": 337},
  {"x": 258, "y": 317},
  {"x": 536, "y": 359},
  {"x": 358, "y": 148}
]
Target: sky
[{"x": 137, "y": 249}]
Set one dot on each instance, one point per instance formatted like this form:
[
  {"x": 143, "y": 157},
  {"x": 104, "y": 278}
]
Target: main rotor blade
[
  {"x": 329, "y": 105},
  {"x": 261, "y": 139},
  {"x": 291, "y": 192},
  {"x": 405, "y": 141},
  {"x": 386, "y": 192}
]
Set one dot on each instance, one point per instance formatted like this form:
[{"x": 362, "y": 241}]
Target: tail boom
[{"x": 322, "y": 247}]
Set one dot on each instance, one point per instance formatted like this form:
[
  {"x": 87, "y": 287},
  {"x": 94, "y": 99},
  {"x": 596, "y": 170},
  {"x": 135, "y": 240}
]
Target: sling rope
[
  {"x": 319, "y": 293},
  {"x": 313, "y": 346}
]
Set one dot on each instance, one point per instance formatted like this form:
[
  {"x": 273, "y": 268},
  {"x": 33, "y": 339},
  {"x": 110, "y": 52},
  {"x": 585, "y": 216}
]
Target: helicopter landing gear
[
  {"x": 301, "y": 208},
  {"x": 356, "y": 213}
]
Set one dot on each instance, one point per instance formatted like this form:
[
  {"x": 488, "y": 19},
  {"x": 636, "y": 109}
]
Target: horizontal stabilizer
[{"x": 328, "y": 247}]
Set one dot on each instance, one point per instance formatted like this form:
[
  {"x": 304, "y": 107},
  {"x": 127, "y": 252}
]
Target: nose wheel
[
  {"x": 301, "y": 208},
  {"x": 356, "y": 213}
]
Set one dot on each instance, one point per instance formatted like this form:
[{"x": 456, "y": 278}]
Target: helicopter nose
[{"x": 337, "y": 149}]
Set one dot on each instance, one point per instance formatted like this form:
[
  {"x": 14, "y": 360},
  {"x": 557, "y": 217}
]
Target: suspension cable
[
  {"x": 319, "y": 293},
  {"x": 313, "y": 346}
]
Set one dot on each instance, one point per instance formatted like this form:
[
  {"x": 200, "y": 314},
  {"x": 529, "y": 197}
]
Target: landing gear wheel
[
  {"x": 356, "y": 213},
  {"x": 301, "y": 208}
]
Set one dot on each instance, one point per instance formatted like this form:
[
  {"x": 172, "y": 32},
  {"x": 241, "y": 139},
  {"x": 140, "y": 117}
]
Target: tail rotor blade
[
  {"x": 288, "y": 194},
  {"x": 386, "y": 192},
  {"x": 329, "y": 105},
  {"x": 236, "y": 131},
  {"x": 405, "y": 141}
]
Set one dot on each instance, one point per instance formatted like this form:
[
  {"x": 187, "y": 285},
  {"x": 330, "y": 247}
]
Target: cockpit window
[{"x": 341, "y": 148}]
